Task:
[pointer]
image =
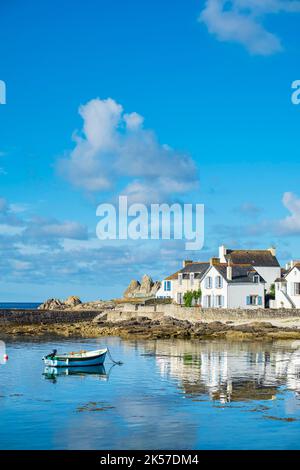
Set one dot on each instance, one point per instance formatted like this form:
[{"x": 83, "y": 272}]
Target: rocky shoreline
[{"x": 145, "y": 328}]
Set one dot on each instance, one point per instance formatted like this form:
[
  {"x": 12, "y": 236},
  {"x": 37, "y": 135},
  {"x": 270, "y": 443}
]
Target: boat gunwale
[{"x": 76, "y": 357}]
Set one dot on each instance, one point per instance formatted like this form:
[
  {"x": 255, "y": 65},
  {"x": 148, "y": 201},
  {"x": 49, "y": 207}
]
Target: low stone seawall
[
  {"x": 153, "y": 312},
  {"x": 29, "y": 317},
  {"x": 195, "y": 314}
]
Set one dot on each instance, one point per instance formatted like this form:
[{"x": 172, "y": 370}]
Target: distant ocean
[{"x": 20, "y": 305}]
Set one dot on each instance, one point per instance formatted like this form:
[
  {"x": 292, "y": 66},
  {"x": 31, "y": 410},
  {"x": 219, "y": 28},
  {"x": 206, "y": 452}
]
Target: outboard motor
[{"x": 52, "y": 355}]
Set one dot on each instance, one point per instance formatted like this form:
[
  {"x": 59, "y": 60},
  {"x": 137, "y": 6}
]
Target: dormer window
[
  {"x": 180, "y": 279},
  {"x": 208, "y": 282},
  {"x": 256, "y": 279}
]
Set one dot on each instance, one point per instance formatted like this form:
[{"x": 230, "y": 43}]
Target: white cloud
[
  {"x": 287, "y": 226},
  {"x": 248, "y": 209},
  {"x": 133, "y": 121},
  {"x": 114, "y": 149},
  {"x": 40, "y": 229},
  {"x": 21, "y": 265},
  {"x": 19, "y": 207},
  {"x": 44, "y": 229},
  {"x": 6, "y": 229},
  {"x": 241, "y": 21},
  {"x": 291, "y": 224}
]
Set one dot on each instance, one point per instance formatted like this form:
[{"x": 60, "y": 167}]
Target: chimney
[
  {"x": 229, "y": 271},
  {"x": 213, "y": 261},
  {"x": 186, "y": 262},
  {"x": 222, "y": 253},
  {"x": 272, "y": 250}
]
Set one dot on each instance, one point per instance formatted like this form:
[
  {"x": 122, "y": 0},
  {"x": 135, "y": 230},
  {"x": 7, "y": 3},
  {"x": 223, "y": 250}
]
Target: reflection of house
[
  {"x": 228, "y": 371},
  {"x": 287, "y": 288},
  {"x": 236, "y": 279}
]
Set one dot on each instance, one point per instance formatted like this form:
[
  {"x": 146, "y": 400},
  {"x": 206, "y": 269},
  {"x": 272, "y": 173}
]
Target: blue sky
[{"x": 212, "y": 80}]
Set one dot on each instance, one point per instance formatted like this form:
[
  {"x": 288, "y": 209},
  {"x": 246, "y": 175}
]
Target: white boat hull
[{"x": 85, "y": 360}]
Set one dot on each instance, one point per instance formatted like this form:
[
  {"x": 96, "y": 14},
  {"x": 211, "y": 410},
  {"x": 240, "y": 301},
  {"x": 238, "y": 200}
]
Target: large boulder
[
  {"x": 145, "y": 288},
  {"x": 52, "y": 304},
  {"x": 146, "y": 285},
  {"x": 57, "y": 304},
  {"x": 155, "y": 288},
  {"x": 72, "y": 301},
  {"x": 132, "y": 289}
]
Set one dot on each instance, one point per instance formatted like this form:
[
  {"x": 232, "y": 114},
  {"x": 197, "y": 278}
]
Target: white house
[
  {"x": 232, "y": 286},
  {"x": 186, "y": 279},
  {"x": 263, "y": 261},
  {"x": 287, "y": 288},
  {"x": 253, "y": 272},
  {"x": 222, "y": 285}
]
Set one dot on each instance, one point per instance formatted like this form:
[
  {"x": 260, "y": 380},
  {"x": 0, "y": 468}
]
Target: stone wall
[
  {"x": 127, "y": 312},
  {"x": 195, "y": 314},
  {"x": 29, "y": 317}
]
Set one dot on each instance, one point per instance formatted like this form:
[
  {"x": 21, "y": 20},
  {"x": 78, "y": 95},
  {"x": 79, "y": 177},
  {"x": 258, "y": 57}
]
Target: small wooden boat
[{"x": 76, "y": 359}]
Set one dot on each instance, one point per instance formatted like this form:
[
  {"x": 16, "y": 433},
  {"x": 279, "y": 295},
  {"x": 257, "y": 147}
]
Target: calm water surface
[
  {"x": 20, "y": 305},
  {"x": 167, "y": 395}
]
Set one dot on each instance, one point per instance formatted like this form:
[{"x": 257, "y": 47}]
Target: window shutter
[
  {"x": 248, "y": 300},
  {"x": 259, "y": 300},
  {"x": 222, "y": 300}
]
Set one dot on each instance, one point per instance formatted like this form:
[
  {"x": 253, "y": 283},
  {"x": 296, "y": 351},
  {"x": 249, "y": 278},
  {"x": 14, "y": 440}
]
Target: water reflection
[
  {"x": 52, "y": 373},
  {"x": 169, "y": 394},
  {"x": 229, "y": 371}
]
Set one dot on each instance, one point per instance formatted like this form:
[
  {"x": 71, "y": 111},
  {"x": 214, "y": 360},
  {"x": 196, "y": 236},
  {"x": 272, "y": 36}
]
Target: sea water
[{"x": 168, "y": 394}]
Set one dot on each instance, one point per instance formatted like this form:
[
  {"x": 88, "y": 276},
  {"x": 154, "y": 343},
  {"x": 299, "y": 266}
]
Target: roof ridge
[
  {"x": 235, "y": 265},
  {"x": 256, "y": 250}
]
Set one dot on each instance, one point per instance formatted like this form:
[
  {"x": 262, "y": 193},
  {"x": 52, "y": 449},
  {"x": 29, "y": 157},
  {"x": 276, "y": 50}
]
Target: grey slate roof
[
  {"x": 198, "y": 268},
  {"x": 240, "y": 273},
  {"x": 259, "y": 258}
]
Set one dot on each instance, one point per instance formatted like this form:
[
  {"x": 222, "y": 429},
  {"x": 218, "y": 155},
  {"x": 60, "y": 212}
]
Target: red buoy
[{"x": 5, "y": 357}]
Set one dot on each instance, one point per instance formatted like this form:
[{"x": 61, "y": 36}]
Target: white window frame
[
  {"x": 167, "y": 286},
  {"x": 208, "y": 282},
  {"x": 296, "y": 288}
]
